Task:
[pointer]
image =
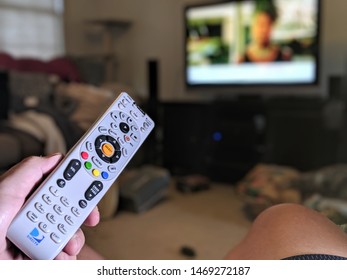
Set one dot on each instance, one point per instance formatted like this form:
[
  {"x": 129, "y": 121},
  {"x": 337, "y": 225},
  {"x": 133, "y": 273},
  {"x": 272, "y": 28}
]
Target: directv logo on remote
[{"x": 34, "y": 236}]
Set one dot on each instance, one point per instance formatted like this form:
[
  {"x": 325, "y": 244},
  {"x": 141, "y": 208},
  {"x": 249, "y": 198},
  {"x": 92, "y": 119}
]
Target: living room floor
[{"x": 208, "y": 223}]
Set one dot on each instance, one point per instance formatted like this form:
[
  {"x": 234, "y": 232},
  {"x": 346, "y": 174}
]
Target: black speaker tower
[
  {"x": 153, "y": 87},
  {"x": 153, "y": 141}
]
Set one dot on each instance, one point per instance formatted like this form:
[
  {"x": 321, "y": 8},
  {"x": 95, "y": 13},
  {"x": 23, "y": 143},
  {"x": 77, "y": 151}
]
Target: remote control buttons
[
  {"x": 125, "y": 101},
  {"x": 84, "y": 155},
  {"x": 55, "y": 237},
  {"x": 122, "y": 116},
  {"x": 72, "y": 169},
  {"x": 121, "y": 106},
  {"x": 146, "y": 125},
  {"x": 124, "y": 127},
  {"x": 130, "y": 121},
  {"x": 50, "y": 217},
  {"x": 54, "y": 191},
  {"x": 134, "y": 137},
  {"x": 65, "y": 201},
  {"x": 125, "y": 152},
  {"x": 121, "y": 141},
  {"x": 82, "y": 203},
  {"x": 39, "y": 207},
  {"x": 89, "y": 146},
  {"x": 112, "y": 169},
  {"x": 61, "y": 183},
  {"x": 97, "y": 162},
  {"x": 112, "y": 133},
  {"x": 134, "y": 114},
  {"x": 114, "y": 126},
  {"x": 44, "y": 227},
  {"x": 108, "y": 149},
  {"x": 93, "y": 190},
  {"x": 114, "y": 116},
  {"x": 46, "y": 198},
  {"x": 96, "y": 172},
  {"x": 57, "y": 208},
  {"x": 99, "y": 140},
  {"x": 104, "y": 175},
  {"x": 75, "y": 211},
  {"x": 87, "y": 165},
  {"x": 69, "y": 220},
  {"x": 102, "y": 129},
  {"x": 32, "y": 216},
  {"x": 117, "y": 137},
  {"x": 62, "y": 228}
]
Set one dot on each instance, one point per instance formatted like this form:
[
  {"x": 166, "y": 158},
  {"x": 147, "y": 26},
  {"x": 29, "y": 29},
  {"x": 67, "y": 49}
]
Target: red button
[{"x": 84, "y": 155}]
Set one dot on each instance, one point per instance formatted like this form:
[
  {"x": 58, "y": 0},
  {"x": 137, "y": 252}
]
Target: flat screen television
[{"x": 252, "y": 43}]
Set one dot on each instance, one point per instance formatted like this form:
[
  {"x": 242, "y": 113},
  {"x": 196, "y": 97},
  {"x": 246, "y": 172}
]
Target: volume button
[{"x": 72, "y": 169}]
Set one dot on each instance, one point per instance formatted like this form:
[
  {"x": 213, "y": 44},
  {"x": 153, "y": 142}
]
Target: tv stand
[{"x": 222, "y": 139}]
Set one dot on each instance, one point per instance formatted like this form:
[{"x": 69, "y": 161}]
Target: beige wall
[{"x": 157, "y": 33}]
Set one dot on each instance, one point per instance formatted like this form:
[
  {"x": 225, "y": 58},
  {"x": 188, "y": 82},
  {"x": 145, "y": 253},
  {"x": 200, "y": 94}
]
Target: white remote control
[{"x": 56, "y": 210}]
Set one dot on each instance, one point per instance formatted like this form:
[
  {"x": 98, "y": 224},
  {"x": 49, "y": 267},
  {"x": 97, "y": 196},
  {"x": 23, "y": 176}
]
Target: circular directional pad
[
  {"x": 107, "y": 148},
  {"x": 110, "y": 145}
]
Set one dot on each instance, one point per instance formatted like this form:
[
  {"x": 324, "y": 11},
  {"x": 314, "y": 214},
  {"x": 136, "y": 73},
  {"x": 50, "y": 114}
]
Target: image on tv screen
[{"x": 269, "y": 42}]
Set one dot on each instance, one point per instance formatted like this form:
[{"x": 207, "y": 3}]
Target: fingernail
[{"x": 55, "y": 154}]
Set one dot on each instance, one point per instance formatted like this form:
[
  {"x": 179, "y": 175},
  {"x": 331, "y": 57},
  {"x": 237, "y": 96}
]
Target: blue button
[{"x": 104, "y": 175}]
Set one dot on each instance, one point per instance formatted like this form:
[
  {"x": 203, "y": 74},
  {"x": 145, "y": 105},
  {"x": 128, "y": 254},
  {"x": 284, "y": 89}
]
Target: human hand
[{"x": 15, "y": 185}]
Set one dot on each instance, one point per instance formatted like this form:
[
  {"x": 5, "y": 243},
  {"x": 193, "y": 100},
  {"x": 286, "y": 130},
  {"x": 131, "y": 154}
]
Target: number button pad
[{"x": 54, "y": 214}]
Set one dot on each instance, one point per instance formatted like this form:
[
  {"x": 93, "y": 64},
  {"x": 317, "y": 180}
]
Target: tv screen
[{"x": 252, "y": 42}]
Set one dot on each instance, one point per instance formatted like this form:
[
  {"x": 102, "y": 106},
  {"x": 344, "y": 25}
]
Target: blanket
[{"x": 42, "y": 127}]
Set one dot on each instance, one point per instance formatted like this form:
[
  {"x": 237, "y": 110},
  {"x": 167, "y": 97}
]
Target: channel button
[{"x": 93, "y": 190}]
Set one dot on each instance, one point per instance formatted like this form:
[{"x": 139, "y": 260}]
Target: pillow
[
  {"x": 86, "y": 102},
  {"x": 266, "y": 185}
]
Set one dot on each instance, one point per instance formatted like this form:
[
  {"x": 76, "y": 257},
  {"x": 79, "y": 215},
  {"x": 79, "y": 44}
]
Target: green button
[{"x": 88, "y": 165}]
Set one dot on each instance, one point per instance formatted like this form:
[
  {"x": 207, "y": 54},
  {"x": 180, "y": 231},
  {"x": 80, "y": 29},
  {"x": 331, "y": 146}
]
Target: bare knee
[
  {"x": 289, "y": 229},
  {"x": 288, "y": 216},
  {"x": 285, "y": 224}
]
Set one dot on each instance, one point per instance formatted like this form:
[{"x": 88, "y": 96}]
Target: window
[{"x": 32, "y": 28}]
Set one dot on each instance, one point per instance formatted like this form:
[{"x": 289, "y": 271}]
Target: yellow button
[
  {"x": 107, "y": 149},
  {"x": 96, "y": 172}
]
